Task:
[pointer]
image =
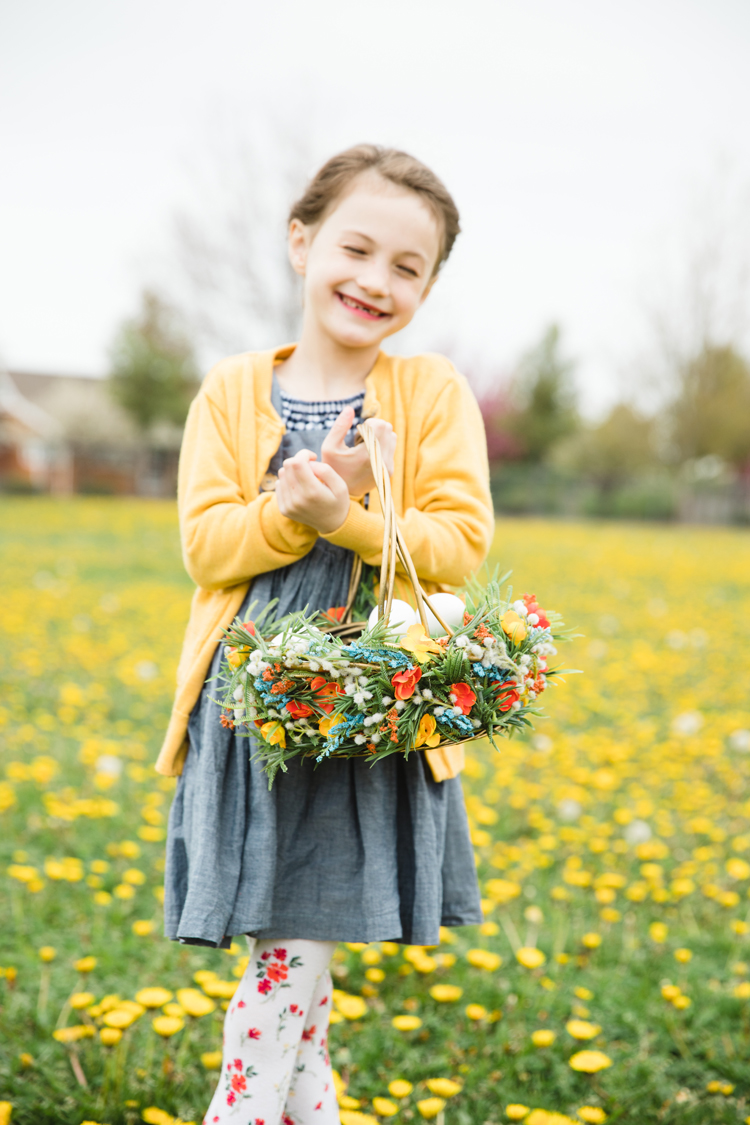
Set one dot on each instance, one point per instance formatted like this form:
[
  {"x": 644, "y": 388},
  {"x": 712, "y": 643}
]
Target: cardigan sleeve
[
  {"x": 226, "y": 539},
  {"x": 449, "y": 530}
]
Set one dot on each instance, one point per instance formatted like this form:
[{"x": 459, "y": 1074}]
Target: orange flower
[
  {"x": 514, "y": 626},
  {"x": 298, "y": 710},
  {"x": 427, "y": 732},
  {"x": 227, "y": 722},
  {"x": 507, "y": 695},
  {"x": 465, "y": 697},
  {"x": 405, "y": 682}
]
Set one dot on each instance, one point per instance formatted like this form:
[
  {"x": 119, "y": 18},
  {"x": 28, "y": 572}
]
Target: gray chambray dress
[{"x": 345, "y": 851}]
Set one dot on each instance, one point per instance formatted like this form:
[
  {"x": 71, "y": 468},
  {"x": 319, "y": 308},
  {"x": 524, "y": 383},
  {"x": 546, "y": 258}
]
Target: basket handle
[{"x": 394, "y": 545}]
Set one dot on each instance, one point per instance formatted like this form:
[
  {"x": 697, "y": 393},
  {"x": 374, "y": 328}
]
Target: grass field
[{"x": 613, "y": 849}]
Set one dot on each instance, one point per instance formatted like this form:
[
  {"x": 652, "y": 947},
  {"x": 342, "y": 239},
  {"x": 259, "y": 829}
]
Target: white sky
[{"x": 574, "y": 135}]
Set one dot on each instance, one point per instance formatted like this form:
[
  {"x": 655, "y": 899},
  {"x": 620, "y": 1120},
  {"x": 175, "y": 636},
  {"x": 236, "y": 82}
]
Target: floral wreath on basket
[{"x": 324, "y": 684}]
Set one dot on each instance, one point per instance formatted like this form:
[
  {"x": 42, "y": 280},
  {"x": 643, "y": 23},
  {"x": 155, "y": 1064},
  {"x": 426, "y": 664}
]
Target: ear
[{"x": 297, "y": 244}]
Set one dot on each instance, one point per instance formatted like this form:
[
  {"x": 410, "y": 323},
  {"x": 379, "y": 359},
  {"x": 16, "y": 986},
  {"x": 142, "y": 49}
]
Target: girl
[{"x": 274, "y": 499}]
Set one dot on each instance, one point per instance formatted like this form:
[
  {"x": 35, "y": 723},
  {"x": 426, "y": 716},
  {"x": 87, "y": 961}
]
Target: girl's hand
[
  {"x": 352, "y": 462},
  {"x": 312, "y": 493}
]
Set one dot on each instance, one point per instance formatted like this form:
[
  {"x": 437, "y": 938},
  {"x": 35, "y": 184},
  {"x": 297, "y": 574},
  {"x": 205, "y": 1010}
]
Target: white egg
[
  {"x": 401, "y": 615},
  {"x": 450, "y": 608}
]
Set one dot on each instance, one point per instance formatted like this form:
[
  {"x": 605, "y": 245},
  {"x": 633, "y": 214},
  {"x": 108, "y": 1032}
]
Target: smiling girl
[{"x": 274, "y": 499}]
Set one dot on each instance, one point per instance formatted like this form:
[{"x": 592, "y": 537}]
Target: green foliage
[
  {"x": 618, "y": 448},
  {"x": 710, "y": 413},
  {"x": 546, "y": 398},
  {"x": 153, "y": 373}
]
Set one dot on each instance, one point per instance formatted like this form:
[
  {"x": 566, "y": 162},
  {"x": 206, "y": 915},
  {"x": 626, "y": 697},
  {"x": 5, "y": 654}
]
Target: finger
[
  {"x": 302, "y": 455},
  {"x": 340, "y": 428},
  {"x": 329, "y": 477}
]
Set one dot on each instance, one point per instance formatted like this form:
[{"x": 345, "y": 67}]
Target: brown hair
[{"x": 336, "y": 175}]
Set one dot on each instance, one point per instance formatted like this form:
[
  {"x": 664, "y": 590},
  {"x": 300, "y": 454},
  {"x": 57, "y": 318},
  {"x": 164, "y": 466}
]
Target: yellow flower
[
  {"x": 110, "y": 1036},
  {"x": 47, "y": 953},
  {"x": 484, "y": 959},
  {"x": 516, "y": 1112},
  {"x": 124, "y": 891},
  {"x": 718, "y": 1087},
  {"x": 194, "y": 1002},
  {"x": 204, "y": 975},
  {"x": 73, "y": 1034},
  {"x": 153, "y": 997},
  {"x": 142, "y": 927},
  {"x": 211, "y": 1060},
  {"x": 353, "y": 1117},
  {"x": 400, "y": 1088},
  {"x": 85, "y": 964},
  {"x": 544, "y": 1037},
  {"x": 658, "y": 931},
  {"x": 6, "y": 1108},
  {"x": 274, "y": 732},
  {"x": 119, "y": 1017},
  {"x": 430, "y": 1107},
  {"x": 167, "y": 1025},
  {"x": 26, "y": 1059},
  {"x": 445, "y": 1087},
  {"x": 81, "y": 1000},
  {"x": 406, "y": 1023},
  {"x": 582, "y": 1029},
  {"x": 589, "y": 1062},
  {"x": 384, "y": 1107},
  {"x": 427, "y": 733},
  {"x": 591, "y": 940},
  {"x": 683, "y": 955},
  {"x": 154, "y": 1116},
  {"x": 742, "y": 990},
  {"x": 350, "y": 1007},
  {"x": 680, "y": 1002},
  {"x": 530, "y": 957},
  {"x": 593, "y": 1114},
  {"x": 445, "y": 993},
  {"x": 347, "y": 1102},
  {"x": 737, "y": 868},
  {"x": 514, "y": 626},
  {"x": 236, "y": 656},
  {"x": 476, "y": 1011},
  {"x": 417, "y": 641},
  {"x": 325, "y": 726}
]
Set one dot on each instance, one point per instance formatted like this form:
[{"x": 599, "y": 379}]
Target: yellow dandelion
[
  {"x": 85, "y": 964},
  {"x": 221, "y": 989},
  {"x": 444, "y": 1087},
  {"x": 446, "y": 993},
  {"x": 591, "y": 940},
  {"x": 384, "y": 1107},
  {"x": 431, "y": 1107},
  {"x": 516, "y": 1112},
  {"x": 73, "y": 1034},
  {"x": 348, "y": 1006},
  {"x": 6, "y": 1109},
  {"x": 589, "y": 1062},
  {"x": 211, "y": 1060},
  {"x": 194, "y": 1002},
  {"x": 543, "y": 1037},
  {"x": 142, "y": 927},
  {"x": 484, "y": 959},
  {"x": 592, "y": 1114},
  {"x": 530, "y": 957},
  {"x": 582, "y": 1029},
  {"x": 47, "y": 953},
  {"x": 406, "y": 1023},
  {"x": 658, "y": 932},
  {"x": 81, "y": 1000},
  {"x": 400, "y": 1088},
  {"x": 110, "y": 1036},
  {"x": 119, "y": 1018},
  {"x": 167, "y": 1026},
  {"x": 683, "y": 955},
  {"x": 476, "y": 1011},
  {"x": 153, "y": 997},
  {"x": 741, "y": 991},
  {"x": 376, "y": 976}
]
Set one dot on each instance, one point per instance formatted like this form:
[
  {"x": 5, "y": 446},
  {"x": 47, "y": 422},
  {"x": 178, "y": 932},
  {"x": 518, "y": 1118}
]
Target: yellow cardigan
[{"x": 230, "y": 532}]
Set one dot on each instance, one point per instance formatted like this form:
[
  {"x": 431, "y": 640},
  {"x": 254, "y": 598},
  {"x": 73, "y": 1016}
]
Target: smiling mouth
[{"x": 362, "y": 309}]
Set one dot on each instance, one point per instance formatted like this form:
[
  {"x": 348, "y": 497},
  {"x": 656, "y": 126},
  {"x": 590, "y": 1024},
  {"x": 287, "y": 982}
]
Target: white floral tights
[{"x": 275, "y": 1068}]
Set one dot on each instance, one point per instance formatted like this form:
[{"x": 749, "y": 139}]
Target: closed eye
[
  {"x": 355, "y": 249},
  {"x": 408, "y": 269}
]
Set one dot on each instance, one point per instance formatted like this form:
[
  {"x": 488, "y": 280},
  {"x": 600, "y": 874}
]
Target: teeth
[{"x": 356, "y": 305}]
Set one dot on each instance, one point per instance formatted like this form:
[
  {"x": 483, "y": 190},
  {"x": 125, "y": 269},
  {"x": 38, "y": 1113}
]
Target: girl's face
[{"x": 368, "y": 265}]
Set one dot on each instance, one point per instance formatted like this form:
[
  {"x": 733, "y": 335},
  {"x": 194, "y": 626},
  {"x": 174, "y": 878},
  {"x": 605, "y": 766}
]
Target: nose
[{"x": 374, "y": 277}]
